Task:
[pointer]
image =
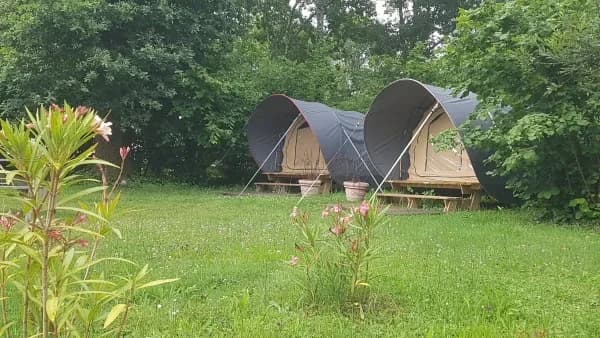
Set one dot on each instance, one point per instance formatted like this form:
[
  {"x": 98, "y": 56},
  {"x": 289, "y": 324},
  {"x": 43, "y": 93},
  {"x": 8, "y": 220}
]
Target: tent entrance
[
  {"x": 426, "y": 163},
  {"x": 302, "y": 152}
]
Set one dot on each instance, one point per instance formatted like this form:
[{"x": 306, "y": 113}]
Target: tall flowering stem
[{"x": 346, "y": 251}]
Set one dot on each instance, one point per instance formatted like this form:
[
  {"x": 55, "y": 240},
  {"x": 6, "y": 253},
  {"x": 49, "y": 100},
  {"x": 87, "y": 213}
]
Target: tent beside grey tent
[
  {"x": 395, "y": 117},
  {"x": 317, "y": 139}
]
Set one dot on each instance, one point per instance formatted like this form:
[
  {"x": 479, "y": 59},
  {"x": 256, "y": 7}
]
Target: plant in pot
[
  {"x": 310, "y": 185},
  {"x": 355, "y": 189}
]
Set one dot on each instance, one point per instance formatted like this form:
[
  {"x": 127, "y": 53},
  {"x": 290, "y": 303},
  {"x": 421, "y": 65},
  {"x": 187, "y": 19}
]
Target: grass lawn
[{"x": 479, "y": 274}]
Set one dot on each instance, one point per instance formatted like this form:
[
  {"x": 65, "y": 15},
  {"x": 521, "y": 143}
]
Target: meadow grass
[{"x": 467, "y": 274}]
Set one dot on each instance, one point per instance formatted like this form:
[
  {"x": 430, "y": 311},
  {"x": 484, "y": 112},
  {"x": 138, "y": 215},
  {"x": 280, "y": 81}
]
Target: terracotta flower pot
[
  {"x": 356, "y": 191},
  {"x": 309, "y": 187}
]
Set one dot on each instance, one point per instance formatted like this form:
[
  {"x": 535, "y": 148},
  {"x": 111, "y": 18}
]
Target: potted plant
[
  {"x": 311, "y": 185},
  {"x": 355, "y": 189}
]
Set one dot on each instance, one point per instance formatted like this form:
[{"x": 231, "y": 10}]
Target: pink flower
[
  {"x": 345, "y": 220},
  {"x": 364, "y": 209},
  {"x": 55, "y": 107},
  {"x": 124, "y": 151},
  {"x": 338, "y": 230},
  {"x": 83, "y": 242},
  {"x": 325, "y": 213},
  {"x": 294, "y": 261},
  {"x": 81, "y": 111},
  {"x": 294, "y": 213},
  {"x": 79, "y": 219},
  {"x": 102, "y": 128},
  {"x": 7, "y": 223},
  {"x": 65, "y": 117},
  {"x": 337, "y": 209},
  {"x": 55, "y": 234}
]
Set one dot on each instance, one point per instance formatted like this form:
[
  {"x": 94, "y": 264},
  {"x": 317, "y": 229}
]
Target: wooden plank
[
  {"x": 393, "y": 195},
  {"x": 464, "y": 187},
  {"x": 277, "y": 184},
  {"x": 275, "y": 176}
]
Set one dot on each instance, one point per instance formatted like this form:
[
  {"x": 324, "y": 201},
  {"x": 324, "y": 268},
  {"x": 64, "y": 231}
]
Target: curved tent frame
[
  {"x": 340, "y": 135},
  {"x": 398, "y": 110}
]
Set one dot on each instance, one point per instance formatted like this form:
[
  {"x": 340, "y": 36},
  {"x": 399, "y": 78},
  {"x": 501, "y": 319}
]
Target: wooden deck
[
  {"x": 285, "y": 180},
  {"x": 458, "y": 194},
  {"x": 451, "y": 203}
]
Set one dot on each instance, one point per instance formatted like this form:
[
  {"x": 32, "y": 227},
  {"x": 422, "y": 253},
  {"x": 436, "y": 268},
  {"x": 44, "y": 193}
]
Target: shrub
[
  {"x": 48, "y": 246},
  {"x": 540, "y": 59},
  {"x": 337, "y": 259}
]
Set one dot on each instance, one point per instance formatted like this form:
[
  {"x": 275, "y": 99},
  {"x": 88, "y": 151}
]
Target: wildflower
[
  {"x": 7, "y": 223},
  {"x": 325, "y": 213},
  {"x": 30, "y": 125},
  {"x": 57, "y": 108},
  {"x": 55, "y": 234},
  {"x": 338, "y": 230},
  {"x": 364, "y": 209},
  {"x": 80, "y": 219},
  {"x": 102, "y": 128},
  {"x": 294, "y": 261},
  {"x": 124, "y": 151},
  {"x": 346, "y": 219},
  {"x": 337, "y": 209},
  {"x": 81, "y": 111},
  {"x": 83, "y": 242},
  {"x": 294, "y": 213}
]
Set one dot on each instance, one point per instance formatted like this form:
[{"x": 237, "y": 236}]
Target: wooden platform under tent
[
  {"x": 287, "y": 182},
  {"x": 456, "y": 195}
]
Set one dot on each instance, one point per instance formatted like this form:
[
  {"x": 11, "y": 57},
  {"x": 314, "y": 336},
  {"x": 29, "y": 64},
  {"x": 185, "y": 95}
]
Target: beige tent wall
[
  {"x": 301, "y": 151},
  {"x": 426, "y": 163}
]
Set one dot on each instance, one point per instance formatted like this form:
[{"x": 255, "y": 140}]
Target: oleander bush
[{"x": 49, "y": 243}]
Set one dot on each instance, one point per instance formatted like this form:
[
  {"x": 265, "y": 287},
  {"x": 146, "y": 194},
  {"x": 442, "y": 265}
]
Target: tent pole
[
  {"x": 271, "y": 153},
  {"x": 359, "y": 155},
  {"x": 414, "y": 137},
  {"x": 322, "y": 171}
]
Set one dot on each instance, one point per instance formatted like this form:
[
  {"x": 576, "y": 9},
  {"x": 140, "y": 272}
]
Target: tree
[
  {"x": 538, "y": 58},
  {"x": 425, "y": 21},
  {"x": 151, "y": 64}
]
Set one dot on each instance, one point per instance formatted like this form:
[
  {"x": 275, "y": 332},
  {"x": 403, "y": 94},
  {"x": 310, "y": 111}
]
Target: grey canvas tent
[
  {"x": 292, "y": 136},
  {"x": 398, "y": 115}
]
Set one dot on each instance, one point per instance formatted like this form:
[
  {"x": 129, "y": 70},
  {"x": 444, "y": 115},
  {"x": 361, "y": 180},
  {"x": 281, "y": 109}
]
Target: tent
[
  {"x": 290, "y": 136},
  {"x": 408, "y": 109}
]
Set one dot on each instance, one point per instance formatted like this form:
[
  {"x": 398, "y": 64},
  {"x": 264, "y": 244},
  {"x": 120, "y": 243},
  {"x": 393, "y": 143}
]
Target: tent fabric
[
  {"x": 448, "y": 165},
  {"x": 302, "y": 152},
  {"x": 395, "y": 114},
  {"x": 275, "y": 115}
]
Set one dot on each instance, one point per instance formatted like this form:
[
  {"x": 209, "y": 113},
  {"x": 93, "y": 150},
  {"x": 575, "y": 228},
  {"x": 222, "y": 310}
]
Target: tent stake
[{"x": 404, "y": 151}]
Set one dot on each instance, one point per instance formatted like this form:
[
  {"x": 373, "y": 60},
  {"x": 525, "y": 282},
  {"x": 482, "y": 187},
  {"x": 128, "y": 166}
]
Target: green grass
[{"x": 479, "y": 274}]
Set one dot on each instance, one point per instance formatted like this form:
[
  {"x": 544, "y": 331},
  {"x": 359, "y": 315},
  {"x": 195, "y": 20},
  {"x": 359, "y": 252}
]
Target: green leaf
[
  {"x": 52, "y": 308},
  {"x": 114, "y": 313},
  {"x": 79, "y": 195},
  {"x": 157, "y": 282},
  {"x": 5, "y": 327},
  {"x": 83, "y": 211},
  {"x": 68, "y": 258}
]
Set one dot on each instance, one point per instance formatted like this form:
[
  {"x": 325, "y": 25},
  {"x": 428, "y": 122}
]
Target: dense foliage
[
  {"x": 180, "y": 78},
  {"x": 540, "y": 59}
]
